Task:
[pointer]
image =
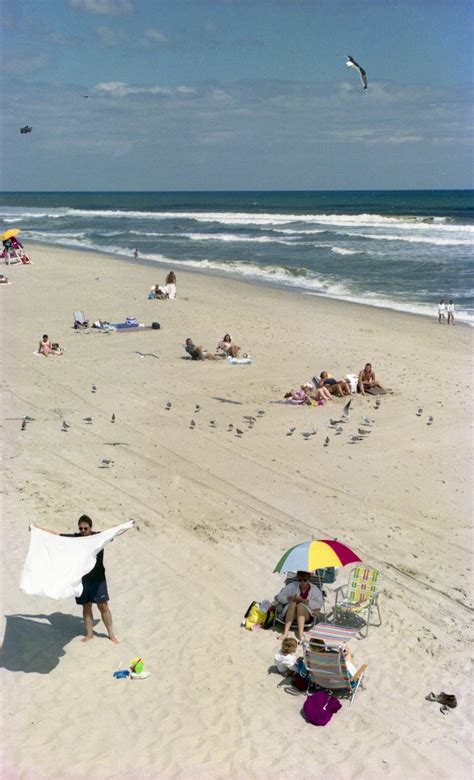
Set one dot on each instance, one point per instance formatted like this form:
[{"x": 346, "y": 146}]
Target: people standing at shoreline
[
  {"x": 441, "y": 311},
  {"x": 135, "y": 254},
  {"x": 450, "y": 310},
  {"x": 170, "y": 285}
]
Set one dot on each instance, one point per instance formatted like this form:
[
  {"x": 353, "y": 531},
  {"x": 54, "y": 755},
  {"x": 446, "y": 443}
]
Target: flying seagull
[
  {"x": 25, "y": 129},
  {"x": 345, "y": 411},
  {"x": 351, "y": 63}
]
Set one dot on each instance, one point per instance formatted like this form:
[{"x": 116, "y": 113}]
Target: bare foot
[
  {"x": 87, "y": 638},
  {"x": 114, "y": 640}
]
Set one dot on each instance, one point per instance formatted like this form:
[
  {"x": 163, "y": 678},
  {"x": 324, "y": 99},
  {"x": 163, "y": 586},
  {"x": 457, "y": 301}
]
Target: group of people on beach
[
  {"x": 166, "y": 291},
  {"x": 446, "y": 309},
  {"x": 324, "y": 387},
  {"x": 225, "y": 348}
]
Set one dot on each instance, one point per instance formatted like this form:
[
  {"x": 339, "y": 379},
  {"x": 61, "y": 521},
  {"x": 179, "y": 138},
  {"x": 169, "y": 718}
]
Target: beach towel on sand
[{"x": 55, "y": 565}]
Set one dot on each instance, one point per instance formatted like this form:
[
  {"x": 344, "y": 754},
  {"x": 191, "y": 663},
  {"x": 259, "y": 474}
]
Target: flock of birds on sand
[{"x": 335, "y": 425}]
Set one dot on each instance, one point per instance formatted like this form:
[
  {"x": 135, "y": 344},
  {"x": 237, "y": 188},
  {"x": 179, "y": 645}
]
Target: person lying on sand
[
  {"x": 317, "y": 393},
  {"x": 337, "y": 386},
  {"x": 197, "y": 353},
  {"x": 367, "y": 380},
  {"x": 46, "y": 348},
  {"x": 226, "y": 345}
]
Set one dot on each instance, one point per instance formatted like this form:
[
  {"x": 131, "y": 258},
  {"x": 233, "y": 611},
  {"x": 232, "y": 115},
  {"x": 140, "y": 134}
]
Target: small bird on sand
[
  {"x": 326, "y": 441},
  {"x": 88, "y": 420},
  {"x": 290, "y": 431},
  {"x": 345, "y": 411},
  {"x": 367, "y": 421},
  {"x": 314, "y": 432},
  {"x": 335, "y": 423},
  {"x": 105, "y": 463},
  {"x": 377, "y": 403},
  {"x": 93, "y": 389},
  {"x": 213, "y": 423},
  {"x": 249, "y": 418},
  {"x": 28, "y": 418},
  {"x": 239, "y": 432},
  {"x": 197, "y": 409},
  {"x": 430, "y": 420},
  {"x": 260, "y": 412},
  {"x": 192, "y": 425},
  {"x": 363, "y": 432},
  {"x": 23, "y": 424},
  {"x": 419, "y": 412},
  {"x": 168, "y": 406},
  {"x": 357, "y": 438},
  {"x": 230, "y": 428},
  {"x": 339, "y": 430},
  {"x": 65, "y": 426},
  {"x": 112, "y": 419},
  {"x": 306, "y": 435}
]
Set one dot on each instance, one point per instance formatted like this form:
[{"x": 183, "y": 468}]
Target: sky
[{"x": 236, "y": 94}]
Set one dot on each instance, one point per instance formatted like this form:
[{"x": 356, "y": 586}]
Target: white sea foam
[
  {"x": 339, "y": 250},
  {"x": 436, "y": 241}
]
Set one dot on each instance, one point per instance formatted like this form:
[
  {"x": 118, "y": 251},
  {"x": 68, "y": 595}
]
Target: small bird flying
[
  {"x": 351, "y": 63},
  {"x": 345, "y": 411},
  {"x": 25, "y": 129}
]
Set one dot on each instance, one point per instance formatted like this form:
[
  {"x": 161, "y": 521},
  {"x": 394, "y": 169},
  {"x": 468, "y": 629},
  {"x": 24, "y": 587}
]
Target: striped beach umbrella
[{"x": 316, "y": 554}]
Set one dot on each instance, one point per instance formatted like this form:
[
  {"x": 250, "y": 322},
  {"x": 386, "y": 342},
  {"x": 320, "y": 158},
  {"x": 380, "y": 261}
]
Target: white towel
[{"x": 55, "y": 565}]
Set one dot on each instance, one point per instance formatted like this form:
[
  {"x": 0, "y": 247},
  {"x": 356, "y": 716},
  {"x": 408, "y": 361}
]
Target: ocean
[{"x": 393, "y": 249}]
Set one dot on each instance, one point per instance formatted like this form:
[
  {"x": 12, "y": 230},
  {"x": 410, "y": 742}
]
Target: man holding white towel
[{"x": 94, "y": 590}]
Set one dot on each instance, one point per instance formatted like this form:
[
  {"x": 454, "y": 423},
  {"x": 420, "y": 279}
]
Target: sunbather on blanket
[
  {"x": 367, "y": 380},
  {"x": 317, "y": 393},
  {"x": 46, "y": 348},
  {"x": 337, "y": 386},
  {"x": 226, "y": 345}
]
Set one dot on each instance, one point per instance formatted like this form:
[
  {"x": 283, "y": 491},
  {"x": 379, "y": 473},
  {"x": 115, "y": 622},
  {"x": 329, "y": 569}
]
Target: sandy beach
[{"x": 214, "y": 512}]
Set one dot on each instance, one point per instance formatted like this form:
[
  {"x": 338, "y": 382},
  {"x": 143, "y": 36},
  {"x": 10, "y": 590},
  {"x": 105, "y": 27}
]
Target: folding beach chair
[
  {"x": 360, "y": 595},
  {"x": 327, "y": 669},
  {"x": 80, "y": 320}
]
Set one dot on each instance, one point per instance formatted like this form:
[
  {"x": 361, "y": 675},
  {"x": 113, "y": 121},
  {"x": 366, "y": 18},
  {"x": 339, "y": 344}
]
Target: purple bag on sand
[{"x": 320, "y": 707}]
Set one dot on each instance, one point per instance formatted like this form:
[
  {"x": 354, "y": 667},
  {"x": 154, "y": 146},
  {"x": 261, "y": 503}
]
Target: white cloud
[
  {"x": 154, "y": 35},
  {"x": 120, "y": 89},
  {"x": 20, "y": 65},
  {"x": 110, "y": 37},
  {"x": 185, "y": 90},
  {"x": 103, "y": 7}
]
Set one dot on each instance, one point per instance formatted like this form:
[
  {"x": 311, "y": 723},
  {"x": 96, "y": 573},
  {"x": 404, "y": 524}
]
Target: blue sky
[{"x": 236, "y": 94}]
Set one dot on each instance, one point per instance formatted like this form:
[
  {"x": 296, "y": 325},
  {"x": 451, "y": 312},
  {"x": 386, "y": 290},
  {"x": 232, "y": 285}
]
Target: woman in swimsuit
[
  {"x": 339, "y": 386},
  {"x": 367, "y": 380}
]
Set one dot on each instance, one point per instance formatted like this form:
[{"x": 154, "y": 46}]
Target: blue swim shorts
[{"x": 94, "y": 592}]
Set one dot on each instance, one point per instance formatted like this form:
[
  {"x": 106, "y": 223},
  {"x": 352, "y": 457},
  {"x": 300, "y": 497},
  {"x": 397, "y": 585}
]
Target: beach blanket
[
  {"x": 375, "y": 391},
  {"x": 55, "y": 565}
]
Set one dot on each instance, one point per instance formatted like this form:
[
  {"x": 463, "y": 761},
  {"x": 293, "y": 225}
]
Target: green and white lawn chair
[
  {"x": 327, "y": 669},
  {"x": 358, "y": 596}
]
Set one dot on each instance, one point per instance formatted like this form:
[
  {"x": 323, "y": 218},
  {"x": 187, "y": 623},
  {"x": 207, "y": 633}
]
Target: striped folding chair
[
  {"x": 327, "y": 669},
  {"x": 358, "y": 596}
]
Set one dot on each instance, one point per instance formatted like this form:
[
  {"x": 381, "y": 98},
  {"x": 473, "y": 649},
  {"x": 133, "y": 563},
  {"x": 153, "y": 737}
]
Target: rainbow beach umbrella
[{"x": 317, "y": 554}]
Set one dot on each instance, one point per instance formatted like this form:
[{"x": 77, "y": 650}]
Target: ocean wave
[
  {"x": 414, "y": 239},
  {"x": 339, "y": 250},
  {"x": 402, "y": 222}
]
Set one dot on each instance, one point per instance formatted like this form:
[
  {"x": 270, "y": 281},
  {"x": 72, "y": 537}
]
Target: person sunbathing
[
  {"x": 317, "y": 393},
  {"x": 300, "y": 600},
  {"x": 226, "y": 345},
  {"x": 46, "y": 348},
  {"x": 337, "y": 386},
  {"x": 197, "y": 353},
  {"x": 367, "y": 380}
]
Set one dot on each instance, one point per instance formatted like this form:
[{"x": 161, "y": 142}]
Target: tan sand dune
[{"x": 214, "y": 513}]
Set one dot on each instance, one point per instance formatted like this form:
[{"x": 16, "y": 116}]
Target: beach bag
[
  {"x": 155, "y": 325},
  {"x": 151, "y": 296},
  {"x": 131, "y": 321},
  {"x": 301, "y": 683},
  {"x": 320, "y": 707},
  {"x": 269, "y": 618}
]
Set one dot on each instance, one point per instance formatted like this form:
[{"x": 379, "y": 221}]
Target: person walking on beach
[
  {"x": 450, "y": 310},
  {"x": 94, "y": 586},
  {"x": 135, "y": 254},
  {"x": 441, "y": 311}
]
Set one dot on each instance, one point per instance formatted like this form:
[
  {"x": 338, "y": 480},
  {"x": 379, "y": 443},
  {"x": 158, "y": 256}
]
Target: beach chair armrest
[{"x": 360, "y": 672}]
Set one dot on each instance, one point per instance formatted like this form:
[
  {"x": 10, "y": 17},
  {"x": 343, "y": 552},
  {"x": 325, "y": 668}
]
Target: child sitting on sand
[
  {"x": 46, "y": 348},
  {"x": 286, "y": 659}
]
